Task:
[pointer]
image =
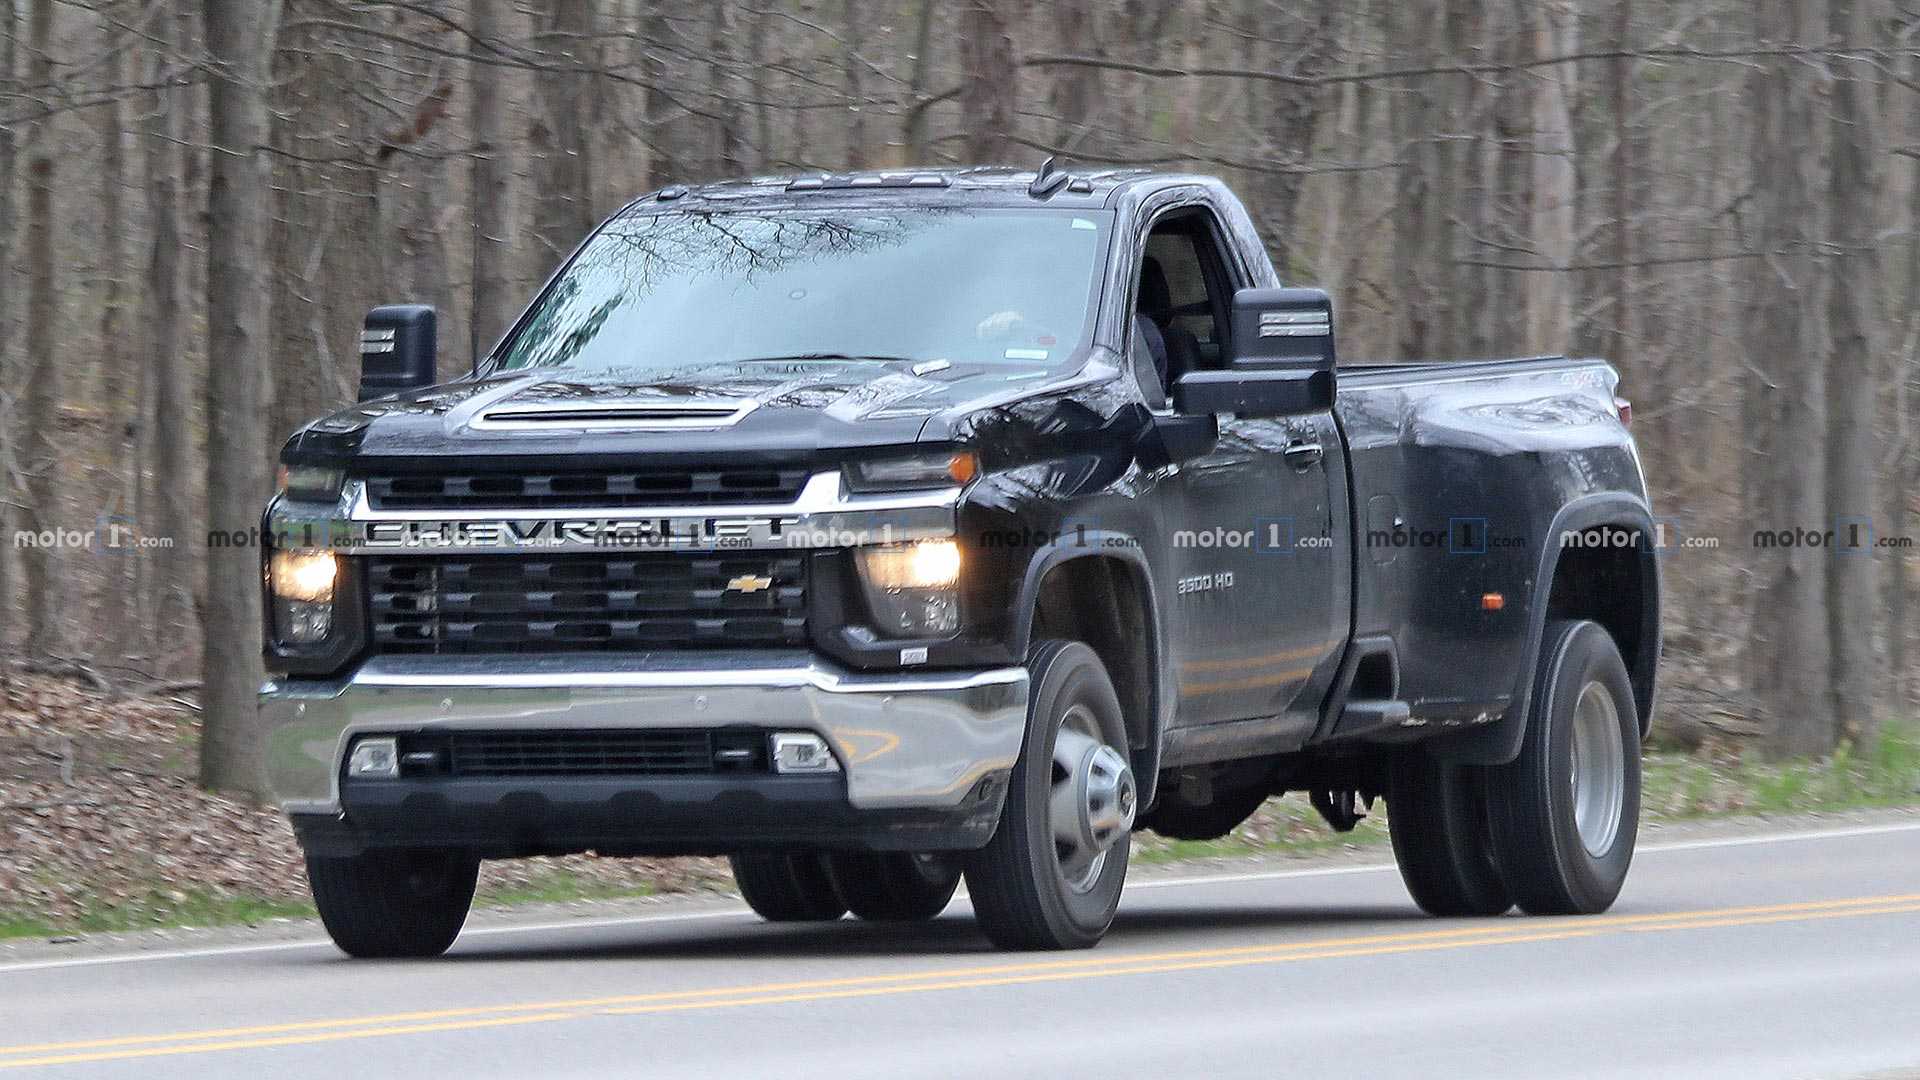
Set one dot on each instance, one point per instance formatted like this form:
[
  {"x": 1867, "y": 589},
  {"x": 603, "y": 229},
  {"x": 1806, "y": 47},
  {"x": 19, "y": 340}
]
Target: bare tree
[
  {"x": 43, "y": 398},
  {"x": 166, "y": 428},
  {"x": 1549, "y": 295},
  {"x": 851, "y": 59},
  {"x": 990, "y": 77},
  {"x": 1786, "y": 321},
  {"x": 9, "y": 408},
  {"x": 491, "y": 195},
  {"x": 240, "y": 40},
  {"x": 1854, "y": 304},
  {"x": 563, "y": 151}
]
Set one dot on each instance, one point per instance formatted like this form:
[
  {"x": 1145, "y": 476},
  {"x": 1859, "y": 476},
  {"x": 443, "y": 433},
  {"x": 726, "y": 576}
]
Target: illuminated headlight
[
  {"x": 945, "y": 469},
  {"x": 913, "y": 589},
  {"x": 311, "y": 483},
  {"x": 301, "y": 583}
]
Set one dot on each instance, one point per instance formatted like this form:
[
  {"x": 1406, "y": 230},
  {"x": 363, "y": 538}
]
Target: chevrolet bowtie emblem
[{"x": 749, "y": 583}]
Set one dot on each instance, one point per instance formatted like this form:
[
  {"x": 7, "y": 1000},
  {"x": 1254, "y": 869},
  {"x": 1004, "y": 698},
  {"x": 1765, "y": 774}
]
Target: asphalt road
[{"x": 1751, "y": 955}]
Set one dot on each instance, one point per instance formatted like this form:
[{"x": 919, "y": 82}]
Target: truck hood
[{"x": 783, "y": 411}]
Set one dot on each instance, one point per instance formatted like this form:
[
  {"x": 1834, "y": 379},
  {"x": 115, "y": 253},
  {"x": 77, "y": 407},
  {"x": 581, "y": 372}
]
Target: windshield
[{"x": 968, "y": 286}]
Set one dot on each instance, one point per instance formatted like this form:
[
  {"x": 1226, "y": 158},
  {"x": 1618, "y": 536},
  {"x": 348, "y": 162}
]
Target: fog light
[
  {"x": 374, "y": 759},
  {"x": 802, "y": 752}
]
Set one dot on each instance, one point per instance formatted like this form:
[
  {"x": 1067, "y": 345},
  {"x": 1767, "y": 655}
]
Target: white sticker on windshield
[
  {"x": 1083, "y": 223},
  {"x": 1026, "y": 354}
]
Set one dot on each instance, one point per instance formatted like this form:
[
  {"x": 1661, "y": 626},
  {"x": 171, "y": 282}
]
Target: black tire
[
  {"x": 1437, "y": 816},
  {"x": 394, "y": 903},
  {"x": 896, "y": 886},
  {"x": 1547, "y": 864},
  {"x": 788, "y": 886},
  {"x": 1020, "y": 893}
]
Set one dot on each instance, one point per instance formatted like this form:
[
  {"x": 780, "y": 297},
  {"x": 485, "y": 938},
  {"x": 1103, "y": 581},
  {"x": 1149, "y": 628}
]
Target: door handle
[{"x": 1302, "y": 455}]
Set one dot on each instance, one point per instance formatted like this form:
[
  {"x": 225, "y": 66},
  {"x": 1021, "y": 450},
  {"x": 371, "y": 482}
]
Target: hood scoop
[{"x": 650, "y": 414}]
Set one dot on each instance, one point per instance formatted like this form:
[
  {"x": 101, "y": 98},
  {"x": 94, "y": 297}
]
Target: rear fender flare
[{"x": 1499, "y": 743}]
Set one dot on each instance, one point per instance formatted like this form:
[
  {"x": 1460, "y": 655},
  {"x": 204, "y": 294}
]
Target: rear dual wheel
[
  {"x": 1552, "y": 831},
  {"x": 1565, "y": 813}
]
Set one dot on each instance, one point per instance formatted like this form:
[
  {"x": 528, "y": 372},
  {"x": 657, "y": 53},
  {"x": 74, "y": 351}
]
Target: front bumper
[{"x": 923, "y": 756}]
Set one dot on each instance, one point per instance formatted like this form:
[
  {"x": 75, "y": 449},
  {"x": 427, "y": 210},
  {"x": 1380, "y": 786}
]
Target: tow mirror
[
  {"x": 397, "y": 350},
  {"x": 1279, "y": 361}
]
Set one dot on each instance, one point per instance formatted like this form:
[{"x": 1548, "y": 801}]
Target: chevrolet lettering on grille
[{"x": 640, "y": 533}]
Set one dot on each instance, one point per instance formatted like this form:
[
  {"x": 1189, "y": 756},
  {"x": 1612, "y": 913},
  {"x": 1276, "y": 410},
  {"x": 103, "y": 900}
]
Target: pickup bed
[{"x": 880, "y": 529}]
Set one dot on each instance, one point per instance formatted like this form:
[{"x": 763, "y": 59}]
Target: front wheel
[
  {"x": 1564, "y": 813},
  {"x": 896, "y": 886},
  {"x": 787, "y": 886},
  {"x": 1051, "y": 876},
  {"x": 394, "y": 903}
]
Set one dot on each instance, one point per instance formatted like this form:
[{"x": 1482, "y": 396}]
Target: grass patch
[
  {"x": 557, "y": 887},
  {"x": 159, "y": 909}
]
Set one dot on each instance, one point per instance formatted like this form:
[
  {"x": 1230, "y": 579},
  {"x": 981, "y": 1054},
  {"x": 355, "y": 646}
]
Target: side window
[
  {"x": 1179, "y": 260},
  {"x": 1185, "y": 289}
]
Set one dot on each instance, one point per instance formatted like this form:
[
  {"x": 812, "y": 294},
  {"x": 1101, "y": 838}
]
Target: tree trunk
[
  {"x": 109, "y": 127},
  {"x": 723, "y": 141},
  {"x": 664, "y": 165},
  {"x": 1854, "y": 306},
  {"x": 1420, "y": 233},
  {"x": 563, "y": 150},
  {"x": 492, "y": 215},
  {"x": 41, "y": 459},
  {"x": 240, "y": 36},
  {"x": 167, "y": 427},
  {"x": 919, "y": 115},
  {"x": 990, "y": 75},
  {"x": 1786, "y": 337},
  {"x": 10, "y": 408},
  {"x": 853, "y": 16},
  {"x": 1549, "y": 294}
]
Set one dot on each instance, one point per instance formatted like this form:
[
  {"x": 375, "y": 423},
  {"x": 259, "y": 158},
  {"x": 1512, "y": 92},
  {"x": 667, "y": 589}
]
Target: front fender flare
[{"x": 1108, "y": 544}]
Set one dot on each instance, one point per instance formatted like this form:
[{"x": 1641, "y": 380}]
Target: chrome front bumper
[{"x": 904, "y": 741}]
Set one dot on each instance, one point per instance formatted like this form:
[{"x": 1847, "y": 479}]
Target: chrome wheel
[
  {"x": 1599, "y": 769},
  {"x": 1092, "y": 801}
]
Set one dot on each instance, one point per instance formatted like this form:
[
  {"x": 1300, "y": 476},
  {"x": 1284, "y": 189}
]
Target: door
[{"x": 1253, "y": 548}]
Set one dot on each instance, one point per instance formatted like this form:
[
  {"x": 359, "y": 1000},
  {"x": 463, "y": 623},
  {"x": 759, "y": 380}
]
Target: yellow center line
[{"x": 1512, "y": 932}]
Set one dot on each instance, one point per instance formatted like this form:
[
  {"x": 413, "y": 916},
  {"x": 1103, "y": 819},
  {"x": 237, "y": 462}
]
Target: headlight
[
  {"x": 311, "y": 483},
  {"x": 944, "y": 469},
  {"x": 301, "y": 583},
  {"x": 912, "y": 589}
]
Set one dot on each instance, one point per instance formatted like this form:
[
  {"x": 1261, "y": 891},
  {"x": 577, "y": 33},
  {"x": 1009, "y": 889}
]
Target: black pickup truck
[{"x": 875, "y": 530}]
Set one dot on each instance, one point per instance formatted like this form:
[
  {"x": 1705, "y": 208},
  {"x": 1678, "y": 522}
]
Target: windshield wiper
[{"x": 823, "y": 356}]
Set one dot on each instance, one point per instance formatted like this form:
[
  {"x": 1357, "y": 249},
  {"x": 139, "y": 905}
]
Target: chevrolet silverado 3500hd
[{"x": 879, "y": 529}]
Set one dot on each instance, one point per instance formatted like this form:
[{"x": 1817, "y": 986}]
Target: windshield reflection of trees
[{"x": 629, "y": 258}]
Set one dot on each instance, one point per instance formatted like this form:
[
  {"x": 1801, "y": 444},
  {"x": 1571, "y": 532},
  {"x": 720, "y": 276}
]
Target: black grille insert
[
  {"x": 586, "y": 603},
  {"x": 617, "y": 752},
  {"x": 528, "y": 491}
]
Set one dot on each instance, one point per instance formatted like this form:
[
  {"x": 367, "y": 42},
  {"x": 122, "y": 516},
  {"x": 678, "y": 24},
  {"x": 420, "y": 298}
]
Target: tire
[
  {"x": 896, "y": 886},
  {"x": 1029, "y": 889},
  {"x": 1437, "y": 816},
  {"x": 787, "y": 886},
  {"x": 1565, "y": 812},
  {"x": 384, "y": 904}
]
